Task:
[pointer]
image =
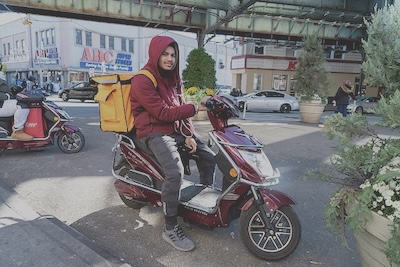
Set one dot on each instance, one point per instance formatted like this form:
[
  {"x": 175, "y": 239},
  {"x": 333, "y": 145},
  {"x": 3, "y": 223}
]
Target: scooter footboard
[{"x": 273, "y": 199}]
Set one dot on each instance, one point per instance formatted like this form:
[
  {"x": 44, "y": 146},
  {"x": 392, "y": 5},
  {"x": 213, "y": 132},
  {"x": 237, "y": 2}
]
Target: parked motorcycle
[
  {"x": 269, "y": 227},
  {"x": 47, "y": 124}
]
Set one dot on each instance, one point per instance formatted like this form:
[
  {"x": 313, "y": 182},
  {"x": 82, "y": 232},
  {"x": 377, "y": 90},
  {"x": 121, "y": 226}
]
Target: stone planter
[
  {"x": 370, "y": 244},
  {"x": 311, "y": 112},
  {"x": 200, "y": 116}
]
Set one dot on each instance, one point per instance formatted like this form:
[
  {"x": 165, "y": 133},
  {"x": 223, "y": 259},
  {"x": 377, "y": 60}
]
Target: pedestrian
[
  {"x": 342, "y": 97},
  {"x": 381, "y": 88},
  {"x": 234, "y": 92},
  {"x": 162, "y": 122}
]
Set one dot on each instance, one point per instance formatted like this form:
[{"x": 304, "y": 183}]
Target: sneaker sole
[{"x": 169, "y": 241}]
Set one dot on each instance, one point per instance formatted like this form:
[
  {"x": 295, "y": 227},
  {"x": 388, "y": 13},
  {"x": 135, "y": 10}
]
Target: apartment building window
[
  {"x": 102, "y": 41},
  {"x": 8, "y": 48},
  {"x": 78, "y": 37},
  {"x": 53, "y": 36},
  {"x": 42, "y": 37},
  {"x": 4, "y": 50},
  {"x": 23, "y": 45},
  {"x": 123, "y": 44},
  {"x": 17, "y": 45},
  {"x": 259, "y": 49},
  {"x": 88, "y": 36},
  {"x": 130, "y": 47},
  {"x": 111, "y": 42}
]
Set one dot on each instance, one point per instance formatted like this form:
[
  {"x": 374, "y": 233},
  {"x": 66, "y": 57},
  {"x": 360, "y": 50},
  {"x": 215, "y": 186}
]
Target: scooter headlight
[{"x": 258, "y": 160}]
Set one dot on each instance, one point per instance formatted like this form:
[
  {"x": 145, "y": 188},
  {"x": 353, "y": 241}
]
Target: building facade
[
  {"x": 67, "y": 51},
  {"x": 273, "y": 66}
]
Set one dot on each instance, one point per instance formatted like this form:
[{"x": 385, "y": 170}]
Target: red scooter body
[
  {"x": 46, "y": 123},
  {"x": 245, "y": 190}
]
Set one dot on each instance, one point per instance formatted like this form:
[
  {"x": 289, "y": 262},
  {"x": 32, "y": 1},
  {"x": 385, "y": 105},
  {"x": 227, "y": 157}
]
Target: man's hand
[{"x": 191, "y": 143}]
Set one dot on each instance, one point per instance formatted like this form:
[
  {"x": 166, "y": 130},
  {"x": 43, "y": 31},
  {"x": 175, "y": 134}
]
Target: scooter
[
  {"x": 46, "y": 123},
  {"x": 269, "y": 227}
]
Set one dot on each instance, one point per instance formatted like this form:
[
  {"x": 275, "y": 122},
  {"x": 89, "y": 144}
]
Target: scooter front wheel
[
  {"x": 71, "y": 143},
  {"x": 275, "y": 243}
]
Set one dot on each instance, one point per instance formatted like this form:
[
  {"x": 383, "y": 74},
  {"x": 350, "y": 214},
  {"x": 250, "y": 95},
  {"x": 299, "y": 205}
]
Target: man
[
  {"x": 162, "y": 122},
  {"x": 342, "y": 97},
  {"x": 10, "y": 107}
]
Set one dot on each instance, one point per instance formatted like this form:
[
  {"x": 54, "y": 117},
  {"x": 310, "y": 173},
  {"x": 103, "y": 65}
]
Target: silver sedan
[{"x": 267, "y": 100}]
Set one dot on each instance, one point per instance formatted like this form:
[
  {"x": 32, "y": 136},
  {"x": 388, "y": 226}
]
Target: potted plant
[
  {"x": 311, "y": 85},
  {"x": 194, "y": 95},
  {"x": 367, "y": 164}
]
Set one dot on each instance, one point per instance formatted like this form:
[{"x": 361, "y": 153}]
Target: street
[{"x": 78, "y": 189}]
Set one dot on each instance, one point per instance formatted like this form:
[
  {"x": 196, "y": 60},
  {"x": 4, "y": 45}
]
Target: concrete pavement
[{"x": 31, "y": 237}]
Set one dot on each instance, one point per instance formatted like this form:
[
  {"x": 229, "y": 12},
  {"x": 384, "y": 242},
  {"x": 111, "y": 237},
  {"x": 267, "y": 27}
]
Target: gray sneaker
[{"x": 178, "y": 239}]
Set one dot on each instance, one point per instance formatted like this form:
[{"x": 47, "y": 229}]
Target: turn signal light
[
  {"x": 233, "y": 173},
  {"x": 55, "y": 118}
]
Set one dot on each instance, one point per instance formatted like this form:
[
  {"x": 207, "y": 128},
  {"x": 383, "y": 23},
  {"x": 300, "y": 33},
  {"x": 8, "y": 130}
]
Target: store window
[
  {"x": 257, "y": 84},
  {"x": 88, "y": 36},
  {"x": 76, "y": 77},
  {"x": 280, "y": 82},
  {"x": 78, "y": 37},
  {"x": 111, "y": 42},
  {"x": 292, "y": 85},
  {"x": 102, "y": 41}
]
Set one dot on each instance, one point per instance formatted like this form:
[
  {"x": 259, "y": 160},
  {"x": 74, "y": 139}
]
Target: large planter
[
  {"x": 311, "y": 111},
  {"x": 200, "y": 116},
  {"x": 370, "y": 244}
]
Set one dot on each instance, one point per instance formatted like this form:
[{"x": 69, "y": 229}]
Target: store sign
[
  {"x": 108, "y": 60},
  {"x": 292, "y": 65},
  {"x": 48, "y": 56}
]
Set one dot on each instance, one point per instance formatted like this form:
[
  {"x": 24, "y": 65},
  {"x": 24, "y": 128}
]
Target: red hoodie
[{"x": 161, "y": 109}]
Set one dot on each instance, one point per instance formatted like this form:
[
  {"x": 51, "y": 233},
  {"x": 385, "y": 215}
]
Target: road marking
[{"x": 140, "y": 225}]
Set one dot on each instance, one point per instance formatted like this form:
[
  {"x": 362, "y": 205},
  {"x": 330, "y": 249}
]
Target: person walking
[
  {"x": 162, "y": 122},
  {"x": 342, "y": 97}
]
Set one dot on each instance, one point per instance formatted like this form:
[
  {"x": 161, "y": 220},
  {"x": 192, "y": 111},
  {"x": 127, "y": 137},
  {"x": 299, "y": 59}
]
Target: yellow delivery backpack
[{"x": 114, "y": 102}]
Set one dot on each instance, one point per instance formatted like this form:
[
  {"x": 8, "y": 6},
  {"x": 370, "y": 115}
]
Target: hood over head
[{"x": 157, "y": 46}]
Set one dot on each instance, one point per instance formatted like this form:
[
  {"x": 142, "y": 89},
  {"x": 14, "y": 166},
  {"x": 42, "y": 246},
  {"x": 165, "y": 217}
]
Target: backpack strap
[{"x": 149, "y": 75}]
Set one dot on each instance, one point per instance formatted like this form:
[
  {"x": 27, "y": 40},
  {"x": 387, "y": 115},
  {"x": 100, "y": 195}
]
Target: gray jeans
[{"x": 165, "y": 149}]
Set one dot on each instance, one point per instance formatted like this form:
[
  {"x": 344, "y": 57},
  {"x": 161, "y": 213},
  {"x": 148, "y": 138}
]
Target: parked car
[
  {"x": 363, "y": 105},
  {"x": 267, "y": 100},
  {"x": 82, "y": 91}
]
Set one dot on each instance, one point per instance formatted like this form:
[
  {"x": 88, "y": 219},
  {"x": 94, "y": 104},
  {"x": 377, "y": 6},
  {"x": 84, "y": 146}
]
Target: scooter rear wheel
[
  {"x": 276, "y": 243},
  {"x": 132, "y": 203},
  {"x": 71, "y": 143}
]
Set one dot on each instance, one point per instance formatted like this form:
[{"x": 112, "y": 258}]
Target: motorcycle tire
[
  {"x": 262, "y": 243},
  {"x": 132, "y": 203},
  {"x": 71, "y": 143}
]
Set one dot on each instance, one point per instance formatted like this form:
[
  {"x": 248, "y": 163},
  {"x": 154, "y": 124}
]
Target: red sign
[
  {"x": 292, "y": 65},
  {"x": 97, "y": 55}
]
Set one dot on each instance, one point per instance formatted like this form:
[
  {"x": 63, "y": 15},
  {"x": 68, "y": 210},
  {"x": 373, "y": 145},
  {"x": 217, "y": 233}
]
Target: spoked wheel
[
  {"x": 71, "y": 143},
  {"x": 64, "y": 96},
  {"x": 275, "y": 243},
  {"x": 359, "y": 110},
  {"x": 285, "y": 108}
]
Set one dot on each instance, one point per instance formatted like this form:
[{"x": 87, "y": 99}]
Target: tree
[
  {"x": 312, "y": 80},
  {"x": 200, "y": 70},
  {"x": 382, "y": 49}
]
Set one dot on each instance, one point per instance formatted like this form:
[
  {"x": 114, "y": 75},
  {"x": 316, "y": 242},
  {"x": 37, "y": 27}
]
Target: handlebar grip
[{"x": 208, "y": 104}]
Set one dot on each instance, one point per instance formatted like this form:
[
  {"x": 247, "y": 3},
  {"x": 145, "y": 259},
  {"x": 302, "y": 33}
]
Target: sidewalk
[{"x": 29, "y": 237}]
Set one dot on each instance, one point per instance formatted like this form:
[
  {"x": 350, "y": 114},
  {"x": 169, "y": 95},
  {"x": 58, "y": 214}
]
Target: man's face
[{"x": 167, "y": 59}]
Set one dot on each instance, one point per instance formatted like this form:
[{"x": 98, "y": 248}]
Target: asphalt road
[{"x": 78, "y": 189}]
